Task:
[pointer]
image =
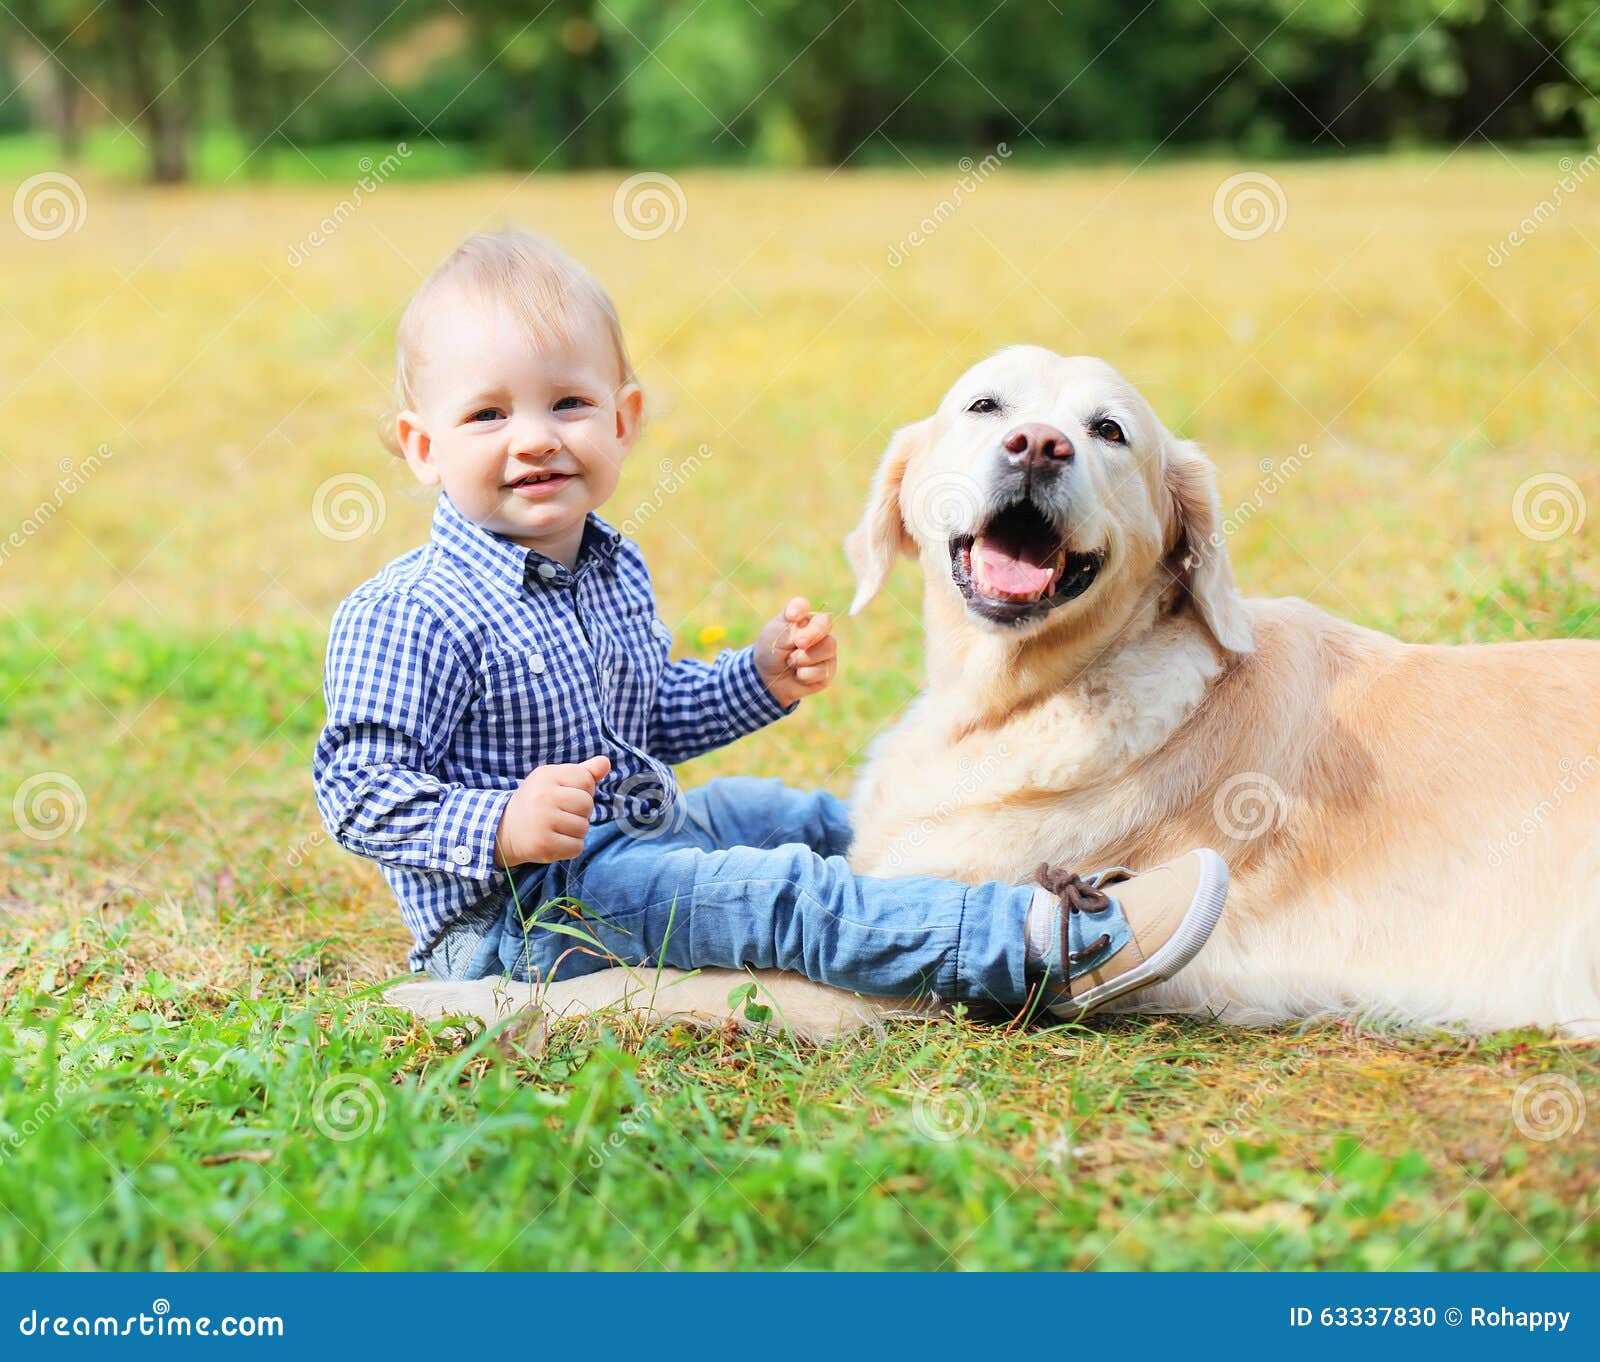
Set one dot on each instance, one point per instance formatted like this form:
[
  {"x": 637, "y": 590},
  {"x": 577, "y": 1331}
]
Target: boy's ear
[
  {"x": 882, "y": 533},
  {"x": 414, "y": 443},
  {"x": 630, "y": 413}
]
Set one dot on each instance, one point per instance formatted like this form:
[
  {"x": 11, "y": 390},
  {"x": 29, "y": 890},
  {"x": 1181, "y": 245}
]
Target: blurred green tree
[{"x": 573, "y": 83}]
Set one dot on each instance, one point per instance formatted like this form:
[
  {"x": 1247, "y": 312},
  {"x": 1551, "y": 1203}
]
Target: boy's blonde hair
[{"x": 545, "y": 288}]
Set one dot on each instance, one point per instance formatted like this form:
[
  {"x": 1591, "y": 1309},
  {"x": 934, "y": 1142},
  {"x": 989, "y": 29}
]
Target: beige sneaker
[{"x": 1169, "y": 910}]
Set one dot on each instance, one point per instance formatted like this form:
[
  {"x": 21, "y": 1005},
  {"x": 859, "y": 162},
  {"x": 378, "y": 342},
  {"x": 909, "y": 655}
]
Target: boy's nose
[{"x": 533, "y": 438}]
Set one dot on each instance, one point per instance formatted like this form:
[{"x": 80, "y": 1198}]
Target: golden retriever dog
[{"x": 1413, "y": 831}]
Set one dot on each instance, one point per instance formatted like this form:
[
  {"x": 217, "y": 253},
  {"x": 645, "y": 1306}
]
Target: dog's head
[{"x": 1041, "y": 486}]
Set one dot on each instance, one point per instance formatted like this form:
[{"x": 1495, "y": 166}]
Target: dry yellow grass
[{"x": 771, "y": 328}]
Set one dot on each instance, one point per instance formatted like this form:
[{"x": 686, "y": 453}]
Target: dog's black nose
[{"x": 1033, "y": 442}]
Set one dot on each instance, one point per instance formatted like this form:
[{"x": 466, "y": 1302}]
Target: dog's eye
[
  {"x": 1109, "y": 431},
  {"x": 985, "y": 406}
]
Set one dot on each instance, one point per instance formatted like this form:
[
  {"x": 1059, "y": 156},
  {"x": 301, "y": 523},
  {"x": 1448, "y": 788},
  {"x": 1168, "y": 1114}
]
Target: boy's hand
[
  {"x": 548, "y": 816},
  {"x": 796, "y": 654}
]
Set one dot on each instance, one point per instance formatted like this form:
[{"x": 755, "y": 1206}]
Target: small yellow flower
[{"x": 712, "y": 635}]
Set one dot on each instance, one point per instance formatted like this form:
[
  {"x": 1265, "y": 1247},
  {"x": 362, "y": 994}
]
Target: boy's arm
[
  {"x": 703, "y": 705},
  {"x": 396, "y": 685}
]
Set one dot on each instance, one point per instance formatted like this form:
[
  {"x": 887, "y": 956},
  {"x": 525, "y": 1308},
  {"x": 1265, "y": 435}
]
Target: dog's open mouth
[{"x": 1018, "y": 566}]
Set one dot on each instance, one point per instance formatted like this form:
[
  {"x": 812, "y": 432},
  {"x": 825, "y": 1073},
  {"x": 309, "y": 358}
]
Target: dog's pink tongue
[{"x": 1005, "y": 572}]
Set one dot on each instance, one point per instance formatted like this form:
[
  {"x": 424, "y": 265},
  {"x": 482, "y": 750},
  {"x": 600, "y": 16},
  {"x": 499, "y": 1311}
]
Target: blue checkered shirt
[{"x": 470, "y": 661}]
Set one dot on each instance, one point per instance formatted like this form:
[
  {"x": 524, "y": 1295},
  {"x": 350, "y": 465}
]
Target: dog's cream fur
[{"x": 1413, "y": 831}]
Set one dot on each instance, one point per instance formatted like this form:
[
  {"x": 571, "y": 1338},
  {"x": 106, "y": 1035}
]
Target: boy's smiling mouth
[{"x": 539, "y": 483}]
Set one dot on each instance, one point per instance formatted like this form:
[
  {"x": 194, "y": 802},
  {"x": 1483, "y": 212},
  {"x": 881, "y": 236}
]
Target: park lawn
[{"x": 194, "y": 1069}]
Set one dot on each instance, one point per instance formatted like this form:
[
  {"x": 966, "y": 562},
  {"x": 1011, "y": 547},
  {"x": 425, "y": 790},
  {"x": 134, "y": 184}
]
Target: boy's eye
[
  {"x": 571, "y": 403},
  {"x": 486, "y": 414}
]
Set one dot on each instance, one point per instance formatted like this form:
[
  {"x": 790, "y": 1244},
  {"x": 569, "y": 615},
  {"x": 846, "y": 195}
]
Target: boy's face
[{"x": 526, "y": 434}]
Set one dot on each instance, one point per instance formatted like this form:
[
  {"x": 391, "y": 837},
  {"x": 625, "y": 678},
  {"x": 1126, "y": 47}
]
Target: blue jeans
[{"x": 748, "y": 873}]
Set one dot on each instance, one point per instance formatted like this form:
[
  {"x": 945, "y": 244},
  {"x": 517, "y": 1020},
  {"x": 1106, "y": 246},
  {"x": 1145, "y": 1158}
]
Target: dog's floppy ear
[
  {"x": 1201, "y": 552},
  {"x": 873, "y": 544}
]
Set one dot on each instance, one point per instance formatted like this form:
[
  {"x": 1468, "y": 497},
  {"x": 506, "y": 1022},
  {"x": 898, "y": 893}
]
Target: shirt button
[
  {"x": 547, "y": 570},
  {"x": 536, "y": 663},
  {"x": 461, "y": 855},
  {"x": 661, "y": 632}
]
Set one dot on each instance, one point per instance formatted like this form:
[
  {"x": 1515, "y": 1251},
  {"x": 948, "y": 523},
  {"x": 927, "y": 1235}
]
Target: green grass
[{"x": 299, "y": 1128}]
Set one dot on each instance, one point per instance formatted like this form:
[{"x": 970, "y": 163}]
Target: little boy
[{"x": 503, "y": 718}]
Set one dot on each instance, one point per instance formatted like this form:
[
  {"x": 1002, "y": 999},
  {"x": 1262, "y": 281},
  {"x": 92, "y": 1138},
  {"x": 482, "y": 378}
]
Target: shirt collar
[{"x": 513, "y": 567}]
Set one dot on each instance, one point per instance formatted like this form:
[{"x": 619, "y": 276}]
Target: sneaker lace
[{"x": 1080, "y": 894}]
